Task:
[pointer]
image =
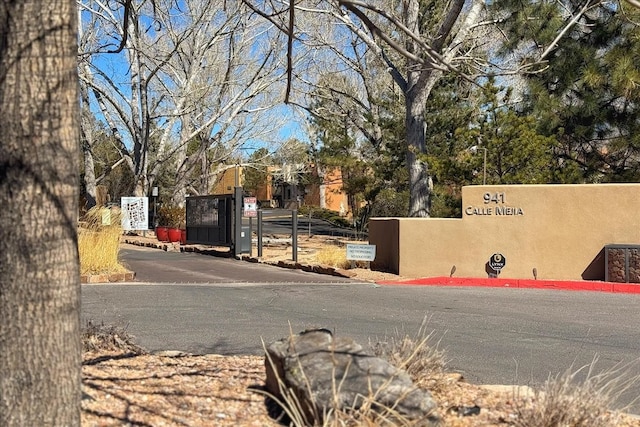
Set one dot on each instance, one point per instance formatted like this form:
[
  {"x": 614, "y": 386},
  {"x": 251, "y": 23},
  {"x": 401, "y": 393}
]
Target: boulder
[{"x": 326, "y": 373}]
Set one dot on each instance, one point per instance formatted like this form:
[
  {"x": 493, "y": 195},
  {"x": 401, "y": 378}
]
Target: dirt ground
[
  {"x": 311, "y": 250},
  {"x": 125, "y": 389}
]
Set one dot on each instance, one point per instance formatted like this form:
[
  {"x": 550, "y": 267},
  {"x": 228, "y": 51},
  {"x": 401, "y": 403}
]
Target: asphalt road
[
  {"x": 491, "y": 335},
  {"x": 154, "y": 266}
]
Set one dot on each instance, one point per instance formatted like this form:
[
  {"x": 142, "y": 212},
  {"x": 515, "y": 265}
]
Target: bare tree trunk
[
  {"x": 40, "y": 347},
  {"x": 420, "y": 80},
  {"x": 139, "y": 109},
  {"x": 420, "y": 182},
  {"x": 183, "y": 165},
  {"x": 90, "y": 183}
]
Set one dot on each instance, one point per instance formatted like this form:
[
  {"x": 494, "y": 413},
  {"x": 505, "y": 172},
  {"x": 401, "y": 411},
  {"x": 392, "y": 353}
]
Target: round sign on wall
[{"x": 497, "y": 262}]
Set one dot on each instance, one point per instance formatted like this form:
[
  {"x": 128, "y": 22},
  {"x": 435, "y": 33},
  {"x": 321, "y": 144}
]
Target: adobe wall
[
  {"x": 329, "y": 195},
  {"x": 227, "y": 180},
  {"x": 560, "y": 230}
]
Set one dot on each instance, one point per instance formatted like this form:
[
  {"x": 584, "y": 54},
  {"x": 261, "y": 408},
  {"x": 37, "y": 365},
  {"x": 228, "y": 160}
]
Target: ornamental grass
[
  {"x": 334, "y": 256},
  {"x": 99, "y": 241}
]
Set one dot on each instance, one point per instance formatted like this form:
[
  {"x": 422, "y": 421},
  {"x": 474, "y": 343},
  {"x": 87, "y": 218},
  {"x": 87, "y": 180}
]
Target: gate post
[
  {"x": 237, "y": 223},
  {"x": 294, "y": 235},
  {"x": 259, "y": 233}
]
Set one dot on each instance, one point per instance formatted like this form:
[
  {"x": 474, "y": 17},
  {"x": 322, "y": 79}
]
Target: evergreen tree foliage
[
  {"x": 256, "y": 173},
  {"x": 452, "y": 106},
  {"x": 367, "y": 148},
  {"x": 466, "y": 121},
  {"x": 118, "y": 179},
  {"x": 516, "y": 152},
  {"x": 588, "y": 96}
]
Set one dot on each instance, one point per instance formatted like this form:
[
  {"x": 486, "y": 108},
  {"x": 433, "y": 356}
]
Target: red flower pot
[
  {"x": 174, "y": 234},
  {"x": 183, "y": 237},
  {"x": 162, "y": 233}
]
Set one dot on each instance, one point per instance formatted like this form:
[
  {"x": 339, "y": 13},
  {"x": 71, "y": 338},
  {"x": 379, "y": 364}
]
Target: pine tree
[{"x": 588, "y": 96}]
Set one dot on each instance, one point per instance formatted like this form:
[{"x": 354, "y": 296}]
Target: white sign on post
[
  {"x": 134, "y": 213},
  {"x": 250, "y": 206},
  {"x": 357, "y": 252}
]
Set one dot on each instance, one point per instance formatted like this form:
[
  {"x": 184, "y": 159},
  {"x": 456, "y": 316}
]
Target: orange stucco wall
[
  {"x": 265, "y": 192},
  {"x": 558, "y": 230},
  {"x": 335, "y": 198},
  {"x": 329, "y": 194},
  {"x": 227, "y": 180}
]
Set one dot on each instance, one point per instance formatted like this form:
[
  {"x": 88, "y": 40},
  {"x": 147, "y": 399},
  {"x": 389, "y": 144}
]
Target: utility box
[{"x": 245, "y": 239}]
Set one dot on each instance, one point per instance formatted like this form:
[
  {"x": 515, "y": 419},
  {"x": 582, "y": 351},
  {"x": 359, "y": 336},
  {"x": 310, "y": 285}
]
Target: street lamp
[{"x": 474, "y": 149}]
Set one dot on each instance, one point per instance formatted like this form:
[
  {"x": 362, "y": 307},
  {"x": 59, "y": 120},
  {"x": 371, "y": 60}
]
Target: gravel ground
[{"x": 124, "y": 389}]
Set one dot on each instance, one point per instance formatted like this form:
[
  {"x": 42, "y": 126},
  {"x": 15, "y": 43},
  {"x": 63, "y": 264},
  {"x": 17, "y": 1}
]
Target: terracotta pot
[
  {"x": 162, "y": 233},
  {"x": 183, "y": 237},
  {"x": 174, "y": 234}
]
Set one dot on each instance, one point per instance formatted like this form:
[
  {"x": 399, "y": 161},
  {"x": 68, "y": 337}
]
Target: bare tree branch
[
  {"x": 125, "y": 25},
  {"x": 447, "y": 24},
  {"x": 589, "y": 4},
  {"x": 290, "y": 50}
]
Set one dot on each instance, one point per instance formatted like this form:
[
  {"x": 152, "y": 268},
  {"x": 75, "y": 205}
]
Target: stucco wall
[
  {"x": 560, "y": 230},
  {"x": 330, "y": 194},
  {"x": 227, "y": 180}
]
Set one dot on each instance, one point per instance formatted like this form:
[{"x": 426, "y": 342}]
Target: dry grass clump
[
  {"x": 99, "y": 241},
  {"x": 564, "y": 400},
  {"x": 103, "y": 338},
  {"x": 425, "y": 363},
  {"x": 334, "y": 256}
]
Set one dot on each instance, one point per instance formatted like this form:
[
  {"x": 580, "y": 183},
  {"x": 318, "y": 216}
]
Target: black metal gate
[{"x": 209, "y": 220}]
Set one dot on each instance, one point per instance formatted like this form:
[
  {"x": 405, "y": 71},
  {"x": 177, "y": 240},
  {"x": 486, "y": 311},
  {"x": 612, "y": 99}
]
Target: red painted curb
[{"x": 564, "y": 285}]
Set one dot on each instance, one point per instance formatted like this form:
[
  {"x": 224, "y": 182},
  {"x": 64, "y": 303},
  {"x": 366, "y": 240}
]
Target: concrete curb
[
  {"x": 564, "y": 285},
  {"x": 107, "y": 278}
]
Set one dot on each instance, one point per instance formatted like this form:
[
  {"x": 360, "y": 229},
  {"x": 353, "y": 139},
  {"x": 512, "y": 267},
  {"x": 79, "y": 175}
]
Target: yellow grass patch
[
  {"x": 99, "y": 241},
  {"x": 334, "y": 256}
]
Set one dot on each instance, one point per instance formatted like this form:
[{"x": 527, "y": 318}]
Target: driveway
[{"x": 156, "y": 266}]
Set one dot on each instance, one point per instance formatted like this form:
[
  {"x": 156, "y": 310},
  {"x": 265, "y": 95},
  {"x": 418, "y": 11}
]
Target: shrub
[
  {"x": 390, "y": 203},
  {"x": 107, "y": 338},
  {"x": 325, "y": 214},
  {"x": 334, "y": 256},
  {"x": 171, "y": 216}
]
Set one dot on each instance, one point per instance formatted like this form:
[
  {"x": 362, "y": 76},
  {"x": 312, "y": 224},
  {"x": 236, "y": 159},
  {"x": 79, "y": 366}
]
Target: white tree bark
[{"x": 189, "y": 79}]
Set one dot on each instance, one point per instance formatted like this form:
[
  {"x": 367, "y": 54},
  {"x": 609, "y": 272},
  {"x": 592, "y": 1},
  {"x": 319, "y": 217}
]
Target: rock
[
  {"x": 345, "y": 273},
  {"x": 287, "y": 264},
  {"x": 324, "y": 269},
  {"x": 326, "y": 373}
]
